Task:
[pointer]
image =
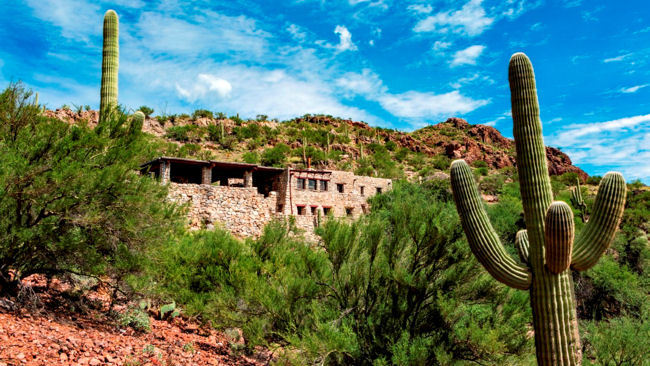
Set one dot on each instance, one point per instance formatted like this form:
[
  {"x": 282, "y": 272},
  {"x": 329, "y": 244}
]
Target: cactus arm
[
  {"x": 606, "y": 215},
  {"x": 110, "y": 61},
  {"x": 521, "y": 243},
  {"x": 559, "y": 237},
  {"x": 482, "y": 238}
]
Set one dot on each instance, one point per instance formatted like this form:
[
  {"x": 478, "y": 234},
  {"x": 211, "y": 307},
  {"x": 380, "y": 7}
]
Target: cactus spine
[
  {"x": 110, "y": 62},
  {"x": 546, "y": 248}
]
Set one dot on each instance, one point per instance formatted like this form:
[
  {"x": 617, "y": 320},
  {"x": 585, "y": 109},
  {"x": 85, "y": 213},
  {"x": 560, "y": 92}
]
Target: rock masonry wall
[{"x": 242, "y": 211}]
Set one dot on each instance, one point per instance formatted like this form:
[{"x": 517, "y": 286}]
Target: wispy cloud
[
  {"x": 617, "y": 58},
  {"x": 633, "y": 89},
  {"x": 470, "y": 20},
  {"x": 622, "y": 143},
  {"x": 467, "y": 56}
]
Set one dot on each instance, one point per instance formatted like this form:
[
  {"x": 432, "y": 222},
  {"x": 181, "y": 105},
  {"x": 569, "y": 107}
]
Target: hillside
[{"x": 334, "y": 143}]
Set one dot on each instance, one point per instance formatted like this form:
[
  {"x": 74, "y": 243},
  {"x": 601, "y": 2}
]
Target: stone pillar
[
  {"x": 165, "y": 172},
  {"x": 248, "y": 178},
  {"x": 206, "y": 176}
]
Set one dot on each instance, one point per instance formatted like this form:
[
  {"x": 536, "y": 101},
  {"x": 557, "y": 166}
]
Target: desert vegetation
[{"x": 409, "y": 283}]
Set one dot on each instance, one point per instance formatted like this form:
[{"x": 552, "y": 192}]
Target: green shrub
[
  {"x": 479, "y": 164},
  {"x": 391, "y": 145},
  {"x": 251, "y": 157},
  {"x": 136, "y": 318},
  {"x": 202, "y": 113},
  {"x": 594, "y": 180},
  {"x": 179, "y": 133},
  {"x": 441, "y": 162},
  {"x": 275, "y": 156},
  {"x": 146, "y": 110},
  {"x": 71, "y": 196},
  {"x": 621, "y": 341}
]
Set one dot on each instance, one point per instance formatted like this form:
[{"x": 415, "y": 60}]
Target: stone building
[{"x": 243, "y": 198}]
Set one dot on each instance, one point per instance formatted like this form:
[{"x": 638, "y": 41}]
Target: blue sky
[{"x": 391, "y": 63}]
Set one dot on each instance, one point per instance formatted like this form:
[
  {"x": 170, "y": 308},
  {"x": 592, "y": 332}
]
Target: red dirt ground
[{"x": 53, "y": 334}]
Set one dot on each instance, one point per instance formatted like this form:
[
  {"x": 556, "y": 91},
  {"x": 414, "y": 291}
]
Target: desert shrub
[
  {"x": 507, "y": 218},
  {"x": 492, "y": 184},
  {"x": 135, "y": 317},
  {"x": 214, "y": 132},
  {"x": 479, "y": 164},
  {"x": 391, "y": 145},
  {"x": 71, "y": 197},
  {"x": 621, "y": 341},
  {"x": 189, "y": 150},
  {"x": 317, "y": 156},
  {"x": 261, "y": 118},
  {"x": 179, "y": 133},
  {"x": 568, "y": 179},
  {"x": 594, "y": 180},
  {"x": 398, "y": 287},
  {"x": 202, "y": 113},
  {"x": 250, "y": 131},
  {"x": 251, "y": 157},
  {"x": 146, "y": 110},
  {"x": 402, "y": 154},
  {"x": 238, "y": 121},
  {"x": 440, "y": 162},
  {"x": 483, "y": 171},
  {"x": 275, "y": 156}
]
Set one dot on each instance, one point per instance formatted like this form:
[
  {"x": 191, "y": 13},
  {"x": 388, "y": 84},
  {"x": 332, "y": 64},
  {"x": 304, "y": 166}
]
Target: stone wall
[{"x": 242, "y": 211}]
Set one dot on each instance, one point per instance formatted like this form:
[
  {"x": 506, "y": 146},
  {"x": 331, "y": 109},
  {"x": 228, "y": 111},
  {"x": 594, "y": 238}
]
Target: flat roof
[{"x": 213, "y": 163}]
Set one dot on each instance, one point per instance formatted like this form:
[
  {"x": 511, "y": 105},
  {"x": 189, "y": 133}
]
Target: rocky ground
[{"x": 55, "y": 330}]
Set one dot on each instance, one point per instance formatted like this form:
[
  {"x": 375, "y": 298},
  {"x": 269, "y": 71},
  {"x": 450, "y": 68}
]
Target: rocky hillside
[{"x": 329, "y": 142}]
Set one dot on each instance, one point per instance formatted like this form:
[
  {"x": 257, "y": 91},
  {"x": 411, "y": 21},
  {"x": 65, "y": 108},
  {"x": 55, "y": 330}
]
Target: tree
[{"x": 71, "y": 199}]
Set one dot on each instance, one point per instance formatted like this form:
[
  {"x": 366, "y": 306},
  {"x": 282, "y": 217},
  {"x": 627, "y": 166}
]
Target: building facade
[{"x": 243, "y": 198}]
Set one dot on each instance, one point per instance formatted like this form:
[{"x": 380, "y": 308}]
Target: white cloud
[
  {"x": 210, "y": 33},
  {"x": 441, "y": 45},
  {"x": 345, "y": 39},
  {"x": 617, "y": 58},
  {"x": 366, "y": 83},
  {"x": 467, "y": 56},
  {"x": 420, "y": 9},
  {"x": 470, "y": 20},
  {"x": 413, "y": 104},
  {"x": 205, "y": 84},
  {"x": 632, "y": 89},
  {"x": 297, "y": 33},
  {"x": 77, "y": 18},
  {"x": 471, "y": 79},
  {"x": 622, "y": 143}
]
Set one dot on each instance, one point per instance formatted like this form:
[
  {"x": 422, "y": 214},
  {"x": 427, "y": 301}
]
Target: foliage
[
  {"x": 251, "y": 157},
  {"x": 136, "y": 318},
  {"x": 146, "y": 110},
  {"x": 275, "y": 156},
  {"x": 70, "y": 196},
  {"x": 202, "y": 113},
  {"x": 398, "y": 287}
]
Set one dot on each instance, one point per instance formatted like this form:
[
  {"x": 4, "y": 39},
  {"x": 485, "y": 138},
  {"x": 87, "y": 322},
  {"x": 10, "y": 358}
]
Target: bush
[
  {"x": 391, "y": 145},
  {"x": 594, "y": 180},
  {"x": 146, "y": 110},
  {"x": 251, "y": 157},
  {"x": 214, "y": 132},
  {"x": 622, "y": 341},
  {"x": 202, "y": 113},
  {"x": 71, "y": 197},
  {"x": 399, "y": 286},
  {"x": 179, "y": 133},
  {"x": 441, "y": 162},
  {"x": 275, "y": 156}
]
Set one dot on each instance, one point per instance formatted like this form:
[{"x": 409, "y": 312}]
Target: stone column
[
  {"x": 206, "y": 176},
  {"x": 165, "y": 170},
  {"x": 248, "y": 178}
]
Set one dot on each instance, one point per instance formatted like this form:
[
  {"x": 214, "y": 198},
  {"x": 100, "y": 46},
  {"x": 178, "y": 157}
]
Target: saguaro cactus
[
  {"x": 547, "y": 247},
  {"x": 578, "y": 203},
  {"x": 110, "y": 61}
]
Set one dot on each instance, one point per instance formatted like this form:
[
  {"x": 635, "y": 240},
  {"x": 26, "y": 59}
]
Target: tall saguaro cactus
[
  {"x": 110, "y": 61},
  {"x": 547, "y": 247}
]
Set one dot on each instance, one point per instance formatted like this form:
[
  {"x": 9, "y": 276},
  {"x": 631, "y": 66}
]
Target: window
[
  {"x": 378, "y": 190},
  {"x": 314, "y": 210},
  {"x": 327, "y": 210},
  {"x": 364, "y": 208},
  {"x": 312, "y": 184},
  {"x": 349, "y": 211},
  {"x": 280, "y": 208},
  {"x": 323, "y": 185},
  {"x": 339, "y": 187},
  {"x": 363, "y": 190},
  {"x": 301, "y": 210},
  {"x": 300, "y": 183}
]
